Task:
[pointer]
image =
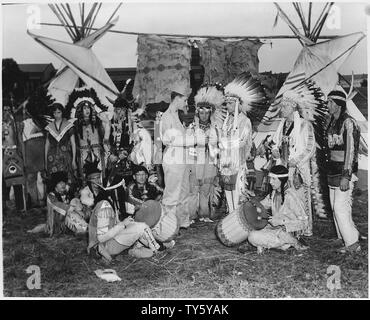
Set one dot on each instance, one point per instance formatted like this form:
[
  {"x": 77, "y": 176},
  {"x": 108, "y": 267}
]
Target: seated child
[{"x": 63, "y": 212}]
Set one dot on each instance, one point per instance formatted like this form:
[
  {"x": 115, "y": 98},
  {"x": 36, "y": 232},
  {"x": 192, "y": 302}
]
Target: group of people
[{"x": 97, "y": 186}]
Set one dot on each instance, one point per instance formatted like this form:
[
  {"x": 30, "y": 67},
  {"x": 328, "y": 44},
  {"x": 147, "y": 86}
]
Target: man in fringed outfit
[
  {"x": 231, "y": 137},
  {"x": 296, "y": 141},
  {"x": 204, "y": 187},
  {"x": 343, "y": 139}
]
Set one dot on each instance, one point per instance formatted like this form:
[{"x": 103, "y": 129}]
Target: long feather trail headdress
[{"x": 310, "y": 102}]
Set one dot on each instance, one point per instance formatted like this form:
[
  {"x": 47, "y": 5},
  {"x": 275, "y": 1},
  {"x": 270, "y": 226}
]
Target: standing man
[
  {"x": 176, "y": 170},
  {"x": 203, "y": 169},
  {"x": 343, "y": 140},
  {"x": 232, "y": 136},
  {"x": 118, "y": 164},
  {"x": 296, "y": 140}
]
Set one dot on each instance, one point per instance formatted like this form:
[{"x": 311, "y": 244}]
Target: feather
[
  {"x": 79, "y": 95},
  {"x": 38, "y": 106},
  {"x": 251, "y": 94},
  {"x": 211, "y": 95},
  {"x": 319, "y": 186},
  {"x": 316, "y": 196}
]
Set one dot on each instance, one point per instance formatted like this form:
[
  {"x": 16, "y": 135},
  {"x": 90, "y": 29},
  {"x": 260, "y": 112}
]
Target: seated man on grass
[
  {"x": 109, "y": 237},
  {"x": 141, "y": 189}
]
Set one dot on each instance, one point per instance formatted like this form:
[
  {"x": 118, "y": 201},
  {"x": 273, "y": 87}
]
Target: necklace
[{"x": 60, "y": 126}]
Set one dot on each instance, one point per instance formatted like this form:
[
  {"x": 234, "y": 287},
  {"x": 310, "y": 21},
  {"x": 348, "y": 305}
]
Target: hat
[
  {"x": 250, "y": 93},
  {"x": 137, "y": 169},
  {"x": 150, "y": 213},
  {"x": 180, "y": 89},
  {"x": 56, "y": 177}
]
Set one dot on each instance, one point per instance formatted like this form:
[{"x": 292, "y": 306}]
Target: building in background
[{"x": 36, "y": 74}]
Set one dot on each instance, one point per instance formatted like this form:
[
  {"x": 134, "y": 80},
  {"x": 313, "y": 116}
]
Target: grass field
[{"x": 199, "y": 266}]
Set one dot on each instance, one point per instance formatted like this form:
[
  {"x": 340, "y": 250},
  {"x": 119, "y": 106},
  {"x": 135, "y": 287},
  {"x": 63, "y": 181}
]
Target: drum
[
  {"x": 150, "y": 213},
  {"x": 167, "y": 227},
  {"x": 76, "y": 223},
  {"x": 236, "y": 226}
]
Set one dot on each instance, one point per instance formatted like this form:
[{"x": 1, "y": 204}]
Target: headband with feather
[{"x": 251, "y": 95}]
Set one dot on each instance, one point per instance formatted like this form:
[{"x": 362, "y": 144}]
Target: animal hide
[
  {"x": 161, "y": 65},
  {"x": 224, "y": 60}
]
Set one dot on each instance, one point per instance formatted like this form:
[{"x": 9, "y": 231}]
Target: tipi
[{"x": 319, "y": 62}]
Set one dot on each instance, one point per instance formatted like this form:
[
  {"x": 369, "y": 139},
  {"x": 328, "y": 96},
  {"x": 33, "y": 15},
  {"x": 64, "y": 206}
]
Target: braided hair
[
  {"x": 93, "y": 119},
  {"x": 279, "y": 169}
]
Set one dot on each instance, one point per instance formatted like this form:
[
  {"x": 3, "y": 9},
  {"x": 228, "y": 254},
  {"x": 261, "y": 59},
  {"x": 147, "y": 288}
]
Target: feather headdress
[
  {"x": 310, "y": 102},
  {"x": 209, "y": 96},
  {"x": 311, "y": 105},
  {"x": 250, "y": 93},
  {"x": 39, "y": 106},
  {"x": 81, "y": 96}
]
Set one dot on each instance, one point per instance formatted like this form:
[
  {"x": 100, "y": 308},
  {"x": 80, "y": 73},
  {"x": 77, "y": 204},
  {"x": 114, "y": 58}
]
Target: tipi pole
[
  {"x": 309, "y": 16},
  {"x": 73, "y": 21},
  {"x": 66, "y": 22},
  {"x": 318, "y": 21},
  {"x": 323, "y": 22},
  {"x": 196, "y": 36},
  {"x": 65, "y": 25},
  {"x": 88, "y": 18},
  {"x": 93, "y": 20},
  {"x": 291, "y": 25},
  {"x": 115, "y": 11}
]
